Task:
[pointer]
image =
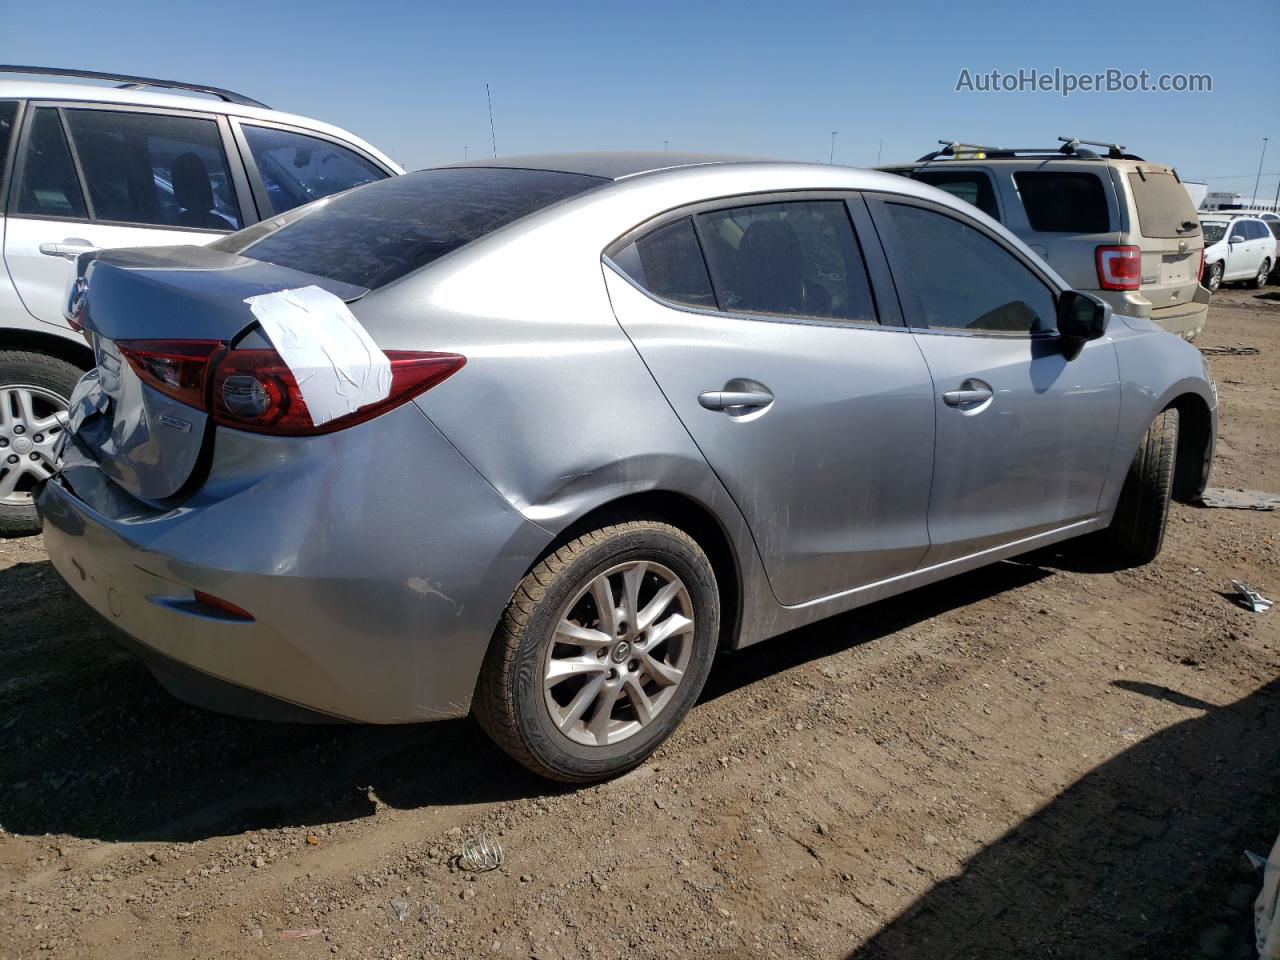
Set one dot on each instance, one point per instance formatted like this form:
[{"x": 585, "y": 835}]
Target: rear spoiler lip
[{"x": 186, "y": 293}]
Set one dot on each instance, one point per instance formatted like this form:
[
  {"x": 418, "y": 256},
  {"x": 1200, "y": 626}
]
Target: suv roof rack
[
  {"x": 127, "y": 81},
  {"x": 1070, "y": 147}
]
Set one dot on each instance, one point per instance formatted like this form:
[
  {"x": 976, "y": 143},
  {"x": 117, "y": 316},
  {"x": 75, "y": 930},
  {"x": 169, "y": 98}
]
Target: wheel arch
[
  {"x": 690, "y": 515},
  {"x": 64, "y": 348},
  {"x": 1195, "y": 446}
]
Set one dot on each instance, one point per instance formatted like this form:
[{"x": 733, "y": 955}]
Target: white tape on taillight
[{"x": 338, "y": 367}]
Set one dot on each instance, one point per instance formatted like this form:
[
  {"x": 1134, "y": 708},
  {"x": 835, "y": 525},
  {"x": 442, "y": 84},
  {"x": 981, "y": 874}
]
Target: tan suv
[{"x": 1107, "y": 221}]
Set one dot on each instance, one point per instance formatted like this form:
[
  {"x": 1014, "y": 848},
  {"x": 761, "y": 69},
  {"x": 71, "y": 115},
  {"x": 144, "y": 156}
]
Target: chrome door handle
[
  {"x": 734, "y": 399},
  {"x": 68, "y": 249},
  {"x": 969, "y": 393}
]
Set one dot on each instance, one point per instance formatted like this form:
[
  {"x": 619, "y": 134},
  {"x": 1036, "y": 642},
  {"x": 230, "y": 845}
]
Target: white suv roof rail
[{"x": 126, "y": 80}]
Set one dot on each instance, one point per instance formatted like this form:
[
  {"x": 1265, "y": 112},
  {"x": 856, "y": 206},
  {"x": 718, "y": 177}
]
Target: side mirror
[
  {"x": 1235, "y": 238},
  {"x": 1081, "y": 318}
]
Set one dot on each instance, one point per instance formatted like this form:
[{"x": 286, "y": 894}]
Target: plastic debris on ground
[
  {"x": 400, "y": 908},
  {"x": 306, "y": 934},
  {"x": 1230, "y": 351},
  {"x": 1239, "y": 499},
  {"x": 1250, "y": 598},
  {"x": 480, "y": 854}
]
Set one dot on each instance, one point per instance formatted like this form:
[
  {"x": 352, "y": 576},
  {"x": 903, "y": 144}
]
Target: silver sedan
[{"x": 531, "y": 439}]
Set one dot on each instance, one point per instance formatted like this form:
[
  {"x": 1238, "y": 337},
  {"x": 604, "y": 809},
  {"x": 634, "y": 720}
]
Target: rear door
[
  {"x": 88, "y": 178},
  {"x": 806, "y": 395},
  {"x": 1167, "y": 230},
  {"x": 1024, "y": 436}
]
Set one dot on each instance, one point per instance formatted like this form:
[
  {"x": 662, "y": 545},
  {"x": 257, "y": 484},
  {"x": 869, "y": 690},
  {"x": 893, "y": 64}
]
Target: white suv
[
  {"x": 86, "y": 166},
  {"x": 1237, "y": 247}
]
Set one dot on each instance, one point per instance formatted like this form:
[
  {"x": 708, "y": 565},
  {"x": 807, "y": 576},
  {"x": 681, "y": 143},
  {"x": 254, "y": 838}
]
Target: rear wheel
[
  {"x": 1213, "y": 277},
  {"x": 603, "y": 649},
  {"x": 34, "y": 391},
  {"x": 1260, "y": 281},
  {"x": 1137, "y": 529}
]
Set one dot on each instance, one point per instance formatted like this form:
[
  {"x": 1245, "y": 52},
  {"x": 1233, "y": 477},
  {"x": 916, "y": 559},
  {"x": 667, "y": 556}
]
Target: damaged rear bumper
[{"x": 374, "y": 562}]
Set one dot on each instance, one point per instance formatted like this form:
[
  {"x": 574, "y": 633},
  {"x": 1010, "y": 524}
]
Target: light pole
[
  {"x": 832, "y": 158},
  {"x": 1256, "y": 179}
]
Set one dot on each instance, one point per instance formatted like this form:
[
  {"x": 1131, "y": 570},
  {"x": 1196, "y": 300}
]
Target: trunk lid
[{"x": 147, "y": 442}]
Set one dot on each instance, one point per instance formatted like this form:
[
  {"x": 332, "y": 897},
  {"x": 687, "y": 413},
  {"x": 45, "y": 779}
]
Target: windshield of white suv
[{"x": 1213, "y": 232}]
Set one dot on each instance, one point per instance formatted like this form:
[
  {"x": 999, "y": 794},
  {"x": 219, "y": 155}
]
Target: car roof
[
  {"x": 608, "y": 165},
  {"x": 132, "y": 96}
]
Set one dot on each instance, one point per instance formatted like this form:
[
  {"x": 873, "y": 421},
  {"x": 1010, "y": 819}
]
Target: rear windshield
[
  {"x": 1164, "y": 206},
  {"x": 377, "y": 233},
  {"x": 1061, "y": 202}
]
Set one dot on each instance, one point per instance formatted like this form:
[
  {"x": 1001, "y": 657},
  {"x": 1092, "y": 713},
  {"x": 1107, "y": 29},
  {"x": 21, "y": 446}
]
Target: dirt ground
[{"x": 1046, "y": 758}]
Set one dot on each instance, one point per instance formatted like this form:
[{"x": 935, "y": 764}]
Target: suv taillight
[
  {"x": 1200, "y": 272},
  {"x": 255, "y": 390},
  {"x": 1119, "y": 267}
]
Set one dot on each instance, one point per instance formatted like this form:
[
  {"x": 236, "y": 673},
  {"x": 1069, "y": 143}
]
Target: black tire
[
  {"x": 1137, "y": 529},
  {"x": 509, "y": 702},
  {"x": 1260, "y": 281},
  {"x": 27, "y": 368},
  {"x": 1213, "y": 277}
]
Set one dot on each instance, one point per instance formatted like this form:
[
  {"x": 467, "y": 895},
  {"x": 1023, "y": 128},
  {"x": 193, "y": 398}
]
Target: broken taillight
[
  {"x": 255, "y": 390},
  {"x": 177, "y": 368}
]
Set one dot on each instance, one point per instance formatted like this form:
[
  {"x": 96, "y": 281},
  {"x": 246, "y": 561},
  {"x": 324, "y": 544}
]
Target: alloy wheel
[
  {"x": 31, "y": 423},
  {"x": 1215, "y": 277},
  {"x": 620, "y": 651}
]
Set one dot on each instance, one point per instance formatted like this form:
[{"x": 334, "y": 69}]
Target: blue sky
[{"x": 769, "y": 80}]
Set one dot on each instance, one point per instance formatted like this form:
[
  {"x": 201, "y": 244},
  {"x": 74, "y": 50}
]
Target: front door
[
  {"x": 817, "y": 418},
  {"x": 1024, "y": 435}
]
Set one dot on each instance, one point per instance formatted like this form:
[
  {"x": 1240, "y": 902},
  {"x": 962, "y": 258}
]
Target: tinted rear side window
[
  {"x": 154, "y": 169},
  {"x": 1164, "y": 206},
  {"x": 793, "y": 259},
  {"x": 970, "y": 186},
  {"x": 1063, "y": 202},
  {"x": 381, "y": 231},
  {"x": 47, "y": 185},
  {"x": 296, "y": 169},
  {"x": 668, "y": 263}
]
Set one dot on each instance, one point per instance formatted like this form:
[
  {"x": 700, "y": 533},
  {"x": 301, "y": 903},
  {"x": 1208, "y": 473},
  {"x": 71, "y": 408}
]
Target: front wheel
[
  {"x": 603, "y": 649},
  {"x": 1260, "y": 281},
  {"x": 1137, "y": 529},
  {"x": 1213, "y": 277},
  {"x": 34, "y": 391}
]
